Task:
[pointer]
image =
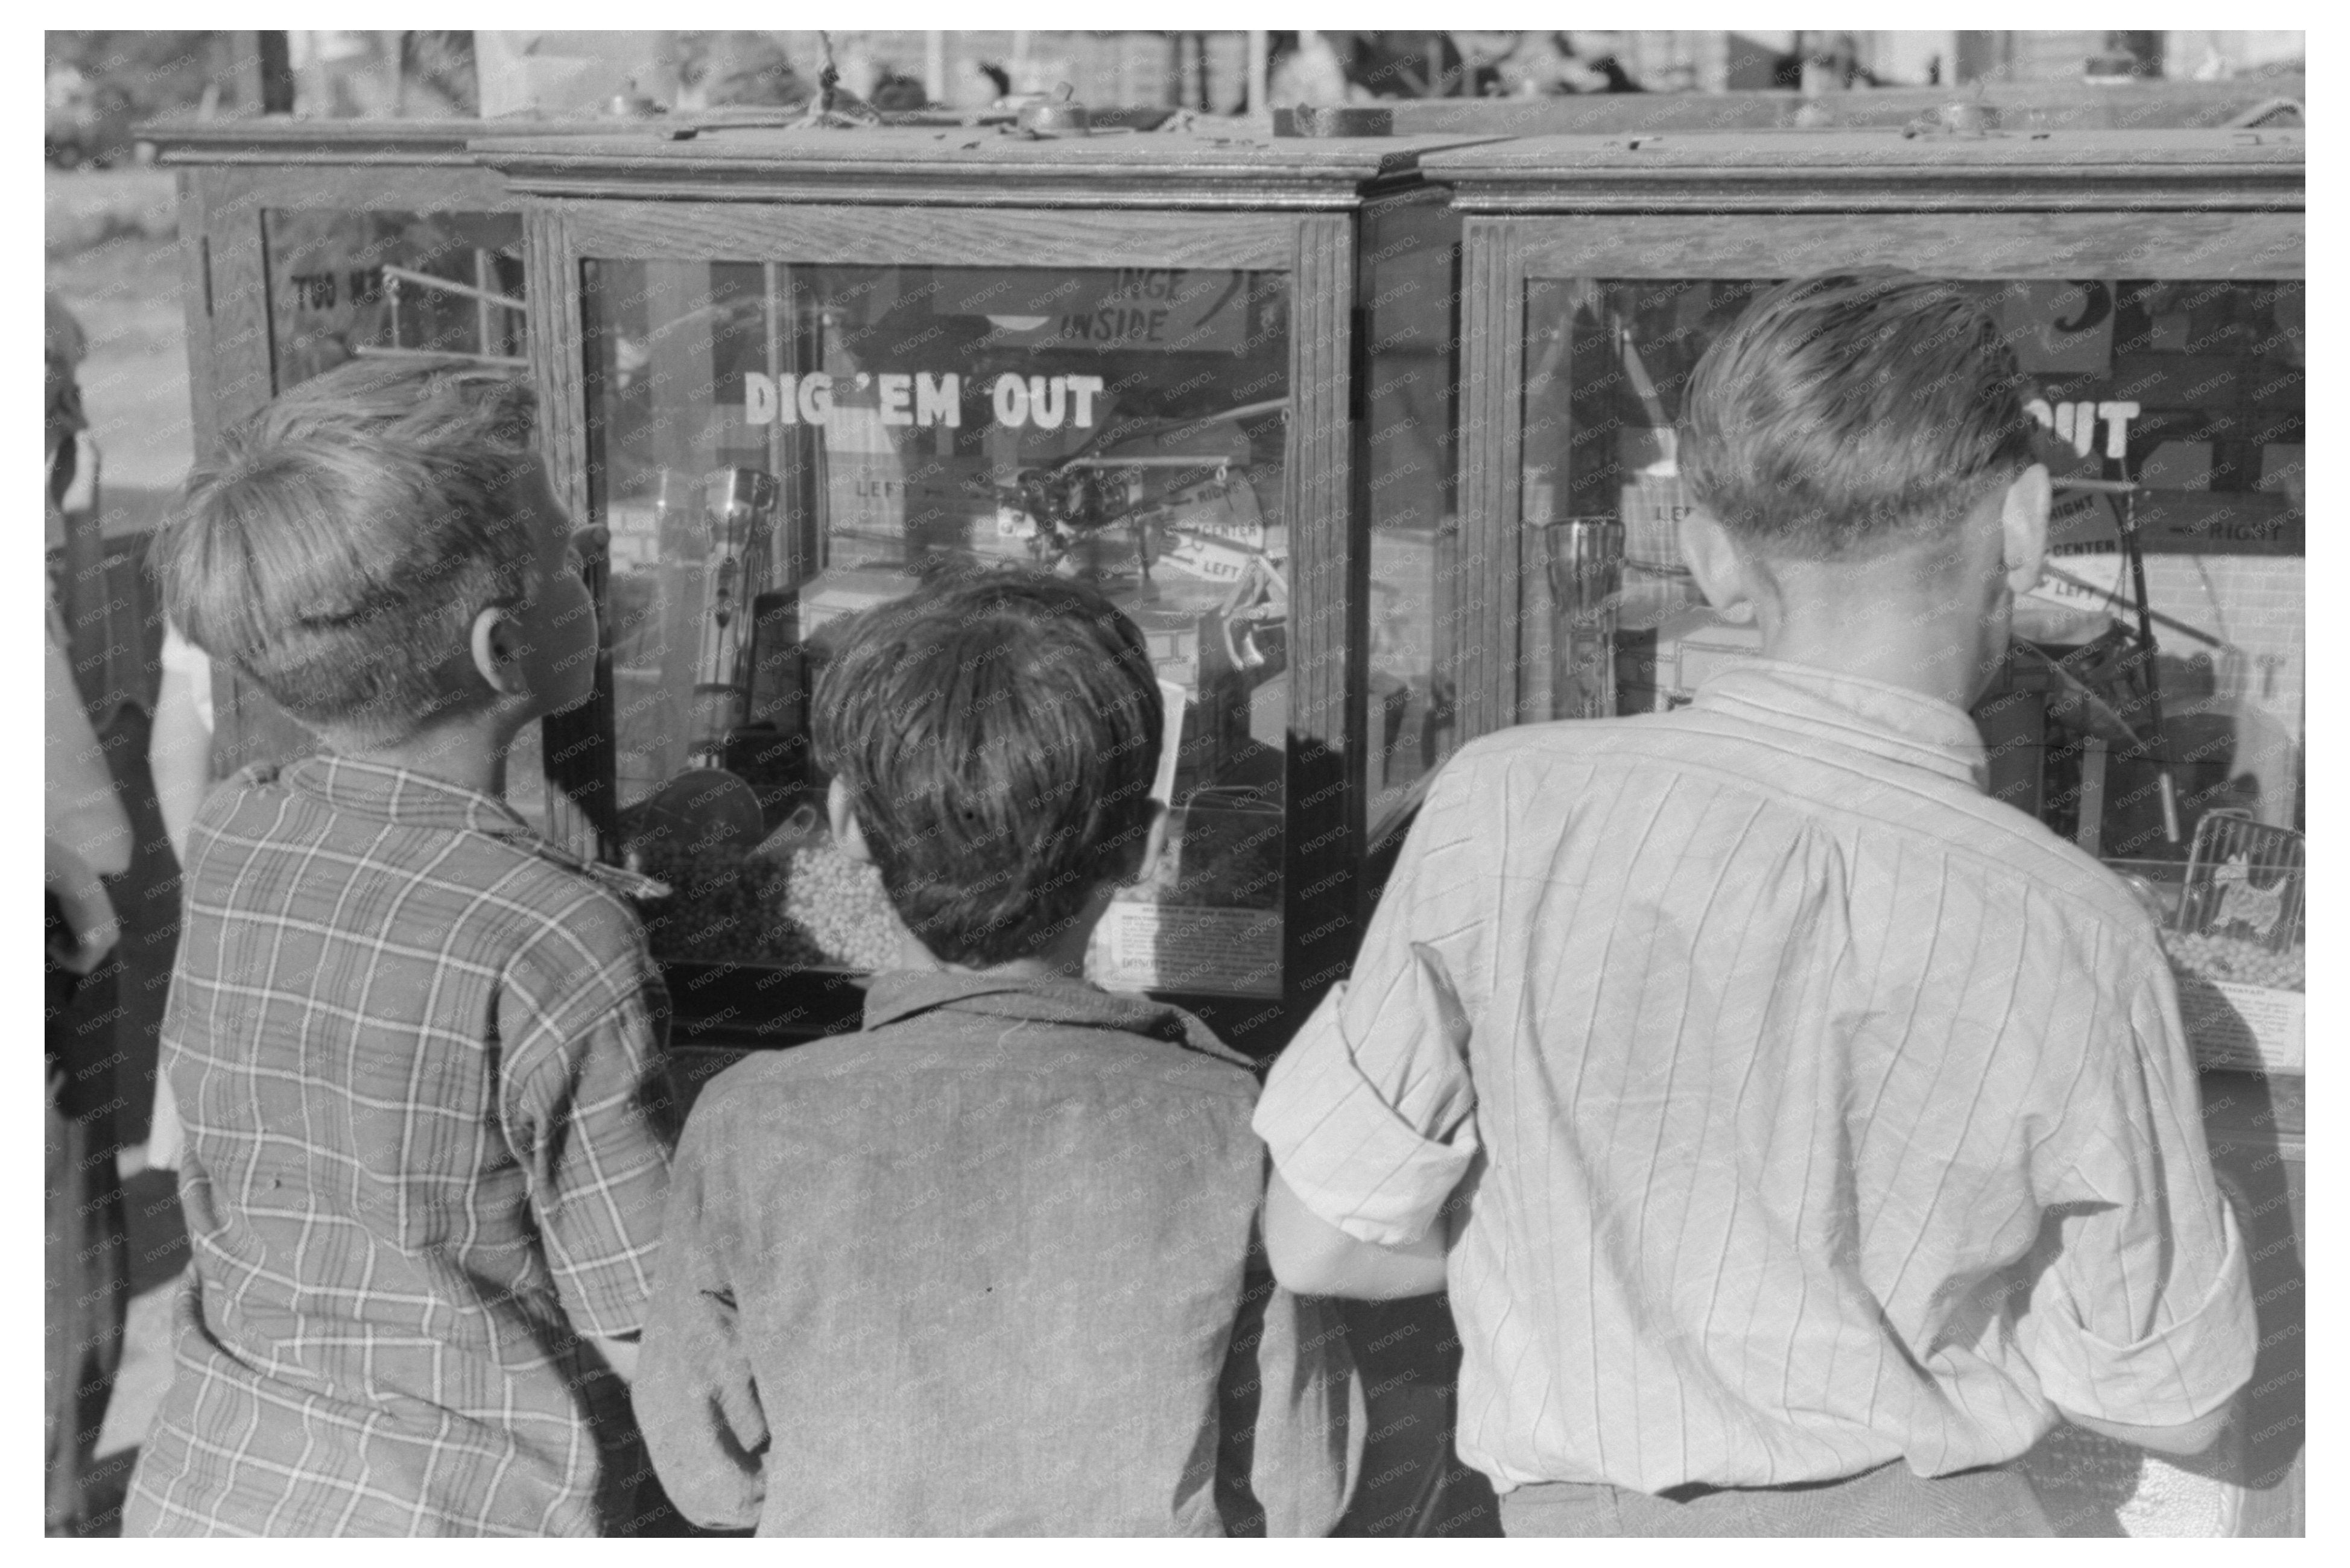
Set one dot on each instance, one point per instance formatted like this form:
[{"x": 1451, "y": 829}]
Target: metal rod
[
  {"x": 1114, "y": 462},
  {"x": 447, "y": 285},
  {"x": 2173, "y": 622},
  {"x": 373, "y": 352},
  {"x": 2167, "y": 788},
  {"x": 482, "y": 300}
]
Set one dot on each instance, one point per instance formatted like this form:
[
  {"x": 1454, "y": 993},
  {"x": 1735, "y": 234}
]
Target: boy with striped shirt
[{"x": 1799, "y": 1132}]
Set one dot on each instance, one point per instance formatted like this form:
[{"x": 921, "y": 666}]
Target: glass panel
[
  {"x": 343, "y": 283},
  {"x": 774, "y": 448},
  {"x": 2182, "y": 399},
  {"x": 1412, "y": 259}
]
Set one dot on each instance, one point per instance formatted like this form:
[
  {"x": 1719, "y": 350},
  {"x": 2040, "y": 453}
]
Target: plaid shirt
[{"x": 415, "y": 1048}]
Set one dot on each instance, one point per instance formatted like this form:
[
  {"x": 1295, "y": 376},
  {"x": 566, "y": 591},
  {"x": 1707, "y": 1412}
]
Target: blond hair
[{"x": 337, "y": 549}]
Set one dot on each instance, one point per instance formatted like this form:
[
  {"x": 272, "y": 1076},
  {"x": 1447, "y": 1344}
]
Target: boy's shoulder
[
  {"x": 514, "y": 887},
  {"x": 1171, "y": 1055},
  {"x": 2006, "y": 855}
]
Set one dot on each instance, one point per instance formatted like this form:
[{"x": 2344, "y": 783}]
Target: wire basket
[{"x": 2244, "y": 879}]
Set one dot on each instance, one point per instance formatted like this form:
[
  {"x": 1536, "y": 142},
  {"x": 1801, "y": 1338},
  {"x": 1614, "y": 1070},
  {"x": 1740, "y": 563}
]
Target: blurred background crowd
[{"x": 101, "y": 84}]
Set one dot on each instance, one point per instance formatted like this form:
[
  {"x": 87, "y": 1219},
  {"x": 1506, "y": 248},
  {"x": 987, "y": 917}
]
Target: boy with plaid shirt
[{"x": 414, "y": 1044}]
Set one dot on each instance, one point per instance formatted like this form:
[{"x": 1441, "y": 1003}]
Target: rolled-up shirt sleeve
[
  {"x": 1367, "y": 1113},
  {"x": 2145, "y": 1315}
]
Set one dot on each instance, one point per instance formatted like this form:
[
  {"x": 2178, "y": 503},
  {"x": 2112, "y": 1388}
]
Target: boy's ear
[
  {"x": 497, "y": 650},
  {"x": 2023, "y": 527},
  {"x": 1714, "y": 562},
  {"x": 847, "y": 833}
]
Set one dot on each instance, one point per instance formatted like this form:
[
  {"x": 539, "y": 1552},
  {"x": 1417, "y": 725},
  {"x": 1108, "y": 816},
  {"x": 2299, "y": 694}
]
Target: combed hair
[
  {"x": 997, "y": 734},
  {"x": 1847, "y": 414},
  {"x": 337, "y": 549}
]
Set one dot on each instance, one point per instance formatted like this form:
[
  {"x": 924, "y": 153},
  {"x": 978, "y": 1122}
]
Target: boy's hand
[{"x": 89, "y": 913}]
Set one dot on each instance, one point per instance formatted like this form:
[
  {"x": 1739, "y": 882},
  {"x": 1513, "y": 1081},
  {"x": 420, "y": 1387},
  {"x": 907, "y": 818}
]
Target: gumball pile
[
  {"x": 815, "y": 908},
  {"x": 2234, "y": 959},
  {"x": 841, "y": 905}
]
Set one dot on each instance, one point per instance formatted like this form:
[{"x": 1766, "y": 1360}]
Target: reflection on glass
[
  {"x": 1606, "y": 364},
  {"x": 2190, "y": 393},
  {"x": 1412, "y": 250},
  {"x": 775, "y": 448},
  {"x": 345, "y": 283}
]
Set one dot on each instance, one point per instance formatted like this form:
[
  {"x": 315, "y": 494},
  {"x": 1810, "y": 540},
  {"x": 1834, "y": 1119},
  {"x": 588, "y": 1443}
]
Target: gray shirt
[{"x": 989, "y": 1267}]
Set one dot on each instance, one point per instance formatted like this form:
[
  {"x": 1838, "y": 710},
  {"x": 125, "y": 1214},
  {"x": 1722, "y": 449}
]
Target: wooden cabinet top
[
  {"x": 1221, "y": 166},
  {"x": 284, "y": 140},
  {"x": 1878, "y": 169},
  {"x": 2023, "y": 105}
]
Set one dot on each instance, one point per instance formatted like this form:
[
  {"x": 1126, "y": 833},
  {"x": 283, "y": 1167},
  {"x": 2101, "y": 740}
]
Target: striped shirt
[
  {"x": 415, "y": 1048},
  {"x": 1813, "y": 1109}
]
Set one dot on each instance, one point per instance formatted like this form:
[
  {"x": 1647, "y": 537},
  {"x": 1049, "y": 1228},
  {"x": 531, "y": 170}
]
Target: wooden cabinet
[
  {"x": 2152, "y": 281},
  {"x": 1163, "y": 362}
]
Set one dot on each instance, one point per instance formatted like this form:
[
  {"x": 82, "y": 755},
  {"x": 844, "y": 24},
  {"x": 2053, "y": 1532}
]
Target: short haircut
[
  {"x": 1851, "y": 413},
  {"x": 337, "y": 549},
  {"x": 997, "y": 734}
]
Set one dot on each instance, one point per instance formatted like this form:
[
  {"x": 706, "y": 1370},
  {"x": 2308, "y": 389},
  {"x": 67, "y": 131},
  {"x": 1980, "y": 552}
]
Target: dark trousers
[{"x": 1887, "y": 1501}]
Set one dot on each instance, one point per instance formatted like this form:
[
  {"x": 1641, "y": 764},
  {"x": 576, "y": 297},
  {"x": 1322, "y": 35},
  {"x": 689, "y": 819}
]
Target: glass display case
[
  {"x": 797, "y": 372},
  {"x": 2153, "y": 284}
]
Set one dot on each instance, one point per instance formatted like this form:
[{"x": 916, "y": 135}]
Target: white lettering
[
  {"x": 758, "y": 399},
  {"x": 2118, "y": 416},
  {"x": 816, "y": 397},
  {"x": 1084, "y": 388},
  {"x": 897, "y": 390},
  {"x": 1047, "y": 401},
  {"x": 1011, "y": 402},
  {"x": 938, "y": 401}
]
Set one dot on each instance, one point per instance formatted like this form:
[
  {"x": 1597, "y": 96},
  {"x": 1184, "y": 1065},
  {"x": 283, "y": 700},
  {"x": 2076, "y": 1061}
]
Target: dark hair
[
  {"x": 997, "y": 734},
  {"x": 338, "y": 548},
  {"x": 1849, "y": 412}
]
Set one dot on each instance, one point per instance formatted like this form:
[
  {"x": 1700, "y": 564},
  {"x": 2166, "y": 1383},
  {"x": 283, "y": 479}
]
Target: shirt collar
[
  {"x": 896, "y": 995},
  {"x": 407, "y": 798},
  {"x": 1887, "y": 720}
]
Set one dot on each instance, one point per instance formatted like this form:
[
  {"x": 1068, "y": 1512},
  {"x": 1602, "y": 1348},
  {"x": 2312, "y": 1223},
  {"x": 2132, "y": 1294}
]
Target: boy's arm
[
  {"x": 81, "y": 900},
  {"x": 1369, "y": 1112},
  {"x": 698, "y": 1401},
  {"x": 179, "y": 758},
  {"x": 620, "y": 1355},
  {"x": 1309, "y": 1424},
  {"x": 590, "y": 1120},
  {"x": 2186, "y": 1440},
  {"x": 1291, "y": 1411},
  {"x": 2140, "y": 1321},
  {"x": 1313, "y": 1257}
]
